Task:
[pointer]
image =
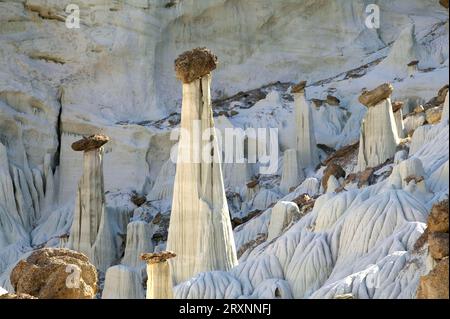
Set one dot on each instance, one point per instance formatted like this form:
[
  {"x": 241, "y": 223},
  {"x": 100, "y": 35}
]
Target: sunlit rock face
[{"x": 132, "y": 67}]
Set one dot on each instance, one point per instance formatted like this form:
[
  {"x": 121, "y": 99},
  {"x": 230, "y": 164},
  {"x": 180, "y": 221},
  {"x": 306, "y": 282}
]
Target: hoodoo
[
  {"x": 398, "y": 116},
  {"x": 412, "y": 67},
  {"x": 378, "y": 137},
  {"x": 307, "y": 155},
  {"x": 90, "y": 200},
  {"x": 200, "y": 227},
  {"x": 159, "y": 282}
]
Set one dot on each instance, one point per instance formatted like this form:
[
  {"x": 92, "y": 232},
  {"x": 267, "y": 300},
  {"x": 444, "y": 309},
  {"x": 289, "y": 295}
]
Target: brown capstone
[
  {"x": 332, "y": 100},
  {"x": 252, "y": 184},
  {"x": 416, "y": 179},
  {"x": 299, "y": 88},
  {"x": 317, "y": 102},
  {"x": 155, "y": 258},
  {"x": 397, "y": 105},
  {"x": 372, "y": 98},
  {"x": 90, "y": 143},
  {"x": 138, "y": 200},
  {"x": 194, "y": 64}
]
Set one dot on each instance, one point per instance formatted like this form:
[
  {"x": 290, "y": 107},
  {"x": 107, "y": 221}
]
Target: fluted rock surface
[
  {"x": 89, "y": 204},
  {"x": 378, "y": 138},
  {"x": 200, "y": 228},
  {"x": 307, "y": 155},
  {"x": 291, "y": 176}
]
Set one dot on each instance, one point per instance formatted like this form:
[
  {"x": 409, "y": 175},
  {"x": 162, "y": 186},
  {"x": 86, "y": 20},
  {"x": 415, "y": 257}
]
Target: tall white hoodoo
[
  {"x": 307, "y": 154},
  {"x": 200, "y": 228},
  {"x": 90, "y": 199}
]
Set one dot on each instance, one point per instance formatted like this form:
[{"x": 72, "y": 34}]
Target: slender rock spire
[
  {"x": 291, "y": 176},
  {"x": 200, "y": 227},
  {"x": 90, "y": 200},
  {"x": 398, "y": 116},
  {"x": 412, "y": 67},
  {"x": 307, "y": 155}
]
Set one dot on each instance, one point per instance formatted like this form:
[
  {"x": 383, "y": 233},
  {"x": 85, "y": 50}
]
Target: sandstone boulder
[
  {"x": 433, "y": 115},
  {"x": 438, "y": 245},
  {"x": 438, "y": 219},
  {"x": 52, "y": 273},
  {"x": 435, "y": 284},
  {"x": 439, "y": 99}
]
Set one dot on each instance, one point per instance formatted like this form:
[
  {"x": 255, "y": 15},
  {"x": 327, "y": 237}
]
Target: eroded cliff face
[{"x": 114, "y": 75}]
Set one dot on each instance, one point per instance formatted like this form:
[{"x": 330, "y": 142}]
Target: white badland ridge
[{"x": 114, "y": 75}]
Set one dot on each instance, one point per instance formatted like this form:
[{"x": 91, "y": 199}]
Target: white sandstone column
[
  {"x": 398, "y": 116},
  {"x": 307, "y": 154},
  {"x": 282, "y": 214},
  {"x": 291, "y": 175},
  {"x": 90, "y": 200},
  {"x": 200, "y": 227}
]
